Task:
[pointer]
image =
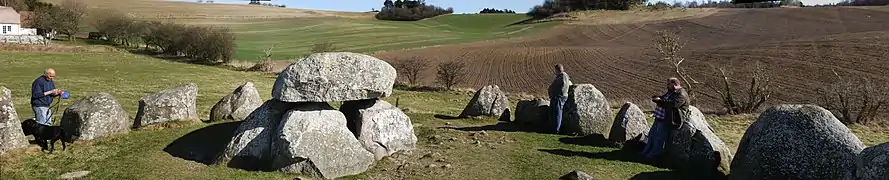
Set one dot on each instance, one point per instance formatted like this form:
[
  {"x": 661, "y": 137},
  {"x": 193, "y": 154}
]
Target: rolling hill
[{"x": 802, "y": 46}]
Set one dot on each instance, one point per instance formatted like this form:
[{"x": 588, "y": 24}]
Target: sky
[{"x": 460, "y": 6}]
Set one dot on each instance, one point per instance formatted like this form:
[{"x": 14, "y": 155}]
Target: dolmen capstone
[
  {"x": 629, "y": 124},
  {"x": 237, "y": 105},
  {"x": 533, "y": 113},
  {"x": 696, "y": 150},
  {"x": 11, "y": 135},
  {"x": 99, "y": 115},
  {"x": 796, "y": 142},
  {"x": 174, "y": 104},
  {"x": 297, "y": 131},
  {"x": 487, "y": 101},
  {"x": 586, "y": 112},
  {"x": 329, "y": 77}
]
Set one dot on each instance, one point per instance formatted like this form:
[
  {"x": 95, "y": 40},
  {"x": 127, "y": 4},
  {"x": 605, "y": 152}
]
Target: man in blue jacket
[{"x": 42, "y": 92}]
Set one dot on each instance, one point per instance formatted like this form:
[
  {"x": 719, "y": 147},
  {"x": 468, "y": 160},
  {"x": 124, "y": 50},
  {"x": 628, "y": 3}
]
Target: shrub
[
  {"x": 323, "y": 47},
  {"x": 451, "y": 73},
  {"x": 855, "y": 100},
  {"x": 491, "y": 10},
  {"x": 412, "y": 69},
  {"x": 422, "y": 11},
  {"x": 742, "y": 100}
]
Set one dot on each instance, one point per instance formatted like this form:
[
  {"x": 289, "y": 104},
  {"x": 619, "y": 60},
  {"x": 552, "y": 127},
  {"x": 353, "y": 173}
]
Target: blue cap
[{"x": 65, "y": 95}]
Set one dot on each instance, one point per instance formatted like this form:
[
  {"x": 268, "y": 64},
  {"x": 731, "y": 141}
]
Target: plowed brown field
[{"x": 801, "y": 45}]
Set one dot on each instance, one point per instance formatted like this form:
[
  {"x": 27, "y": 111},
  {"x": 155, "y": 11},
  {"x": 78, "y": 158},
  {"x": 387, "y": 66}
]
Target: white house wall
[{"x": 16, "y": 29}]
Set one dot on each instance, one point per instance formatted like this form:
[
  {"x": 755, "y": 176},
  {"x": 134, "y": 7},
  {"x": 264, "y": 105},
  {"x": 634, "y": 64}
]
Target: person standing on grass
[
  {"x": 42, "y": 92},
  {"x": 667, "y": 116},
  {"x": 558, "y": 94}
]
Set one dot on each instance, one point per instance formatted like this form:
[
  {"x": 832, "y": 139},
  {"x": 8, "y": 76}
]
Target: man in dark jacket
[
  {"x": 671, "y": 109},
  {"x": 42, "y": 92},
  {"x": 558, "y": 94}
]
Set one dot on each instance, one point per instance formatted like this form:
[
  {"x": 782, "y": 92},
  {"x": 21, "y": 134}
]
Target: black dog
[{"x": 42, "y": 133}]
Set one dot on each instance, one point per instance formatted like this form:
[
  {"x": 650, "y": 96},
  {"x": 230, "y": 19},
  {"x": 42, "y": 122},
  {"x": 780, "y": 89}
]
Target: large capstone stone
[
  {"x": 175, "y": 104},
  {"x": 534, "y": 113},
  {"x": 872, "y": 164},
  {"x": 694, "y": 148},
  {"x": 11, "y": 135},
  {"x": 629, "y": 124},
  {"x": 96, "y": 116},
  {"x": 488, "y": 101},
  {"x": 313, "y": 140},
  {"x": 237, "y": 105},
  {"x": 381, "y": 128},
  {"x": 334, "y": 76},
  {"x": 796, "y": 142},
  {"x": 250, "y": 147},
  {"x": 586, "y": 112}
]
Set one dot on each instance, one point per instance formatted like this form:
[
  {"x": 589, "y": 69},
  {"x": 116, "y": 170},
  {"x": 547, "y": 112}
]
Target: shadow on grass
[
  {"x": 617, "y": 155},
  {"x": 590, "y": 140},
  {"x": 447, "y": 117},
  {"x": 657, "y": 175},
  {"x": 633, "y": 157},
  {"x": 502, "y": 126},
  {"x": 203, "y": 145}
]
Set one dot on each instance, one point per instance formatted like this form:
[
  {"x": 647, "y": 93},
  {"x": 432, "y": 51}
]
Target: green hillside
[{"x": 296, "y": 36}]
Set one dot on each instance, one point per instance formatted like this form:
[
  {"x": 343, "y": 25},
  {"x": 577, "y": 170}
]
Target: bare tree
[
  {"x": 757, "y": 93},
  {"x": 670, "y": 45},
  {"x": 412, "y": 68},
  {"x": 67, "y": 19},
  {"x": 451, "y": 73},
  {"x": 265, "y": 64},
  {"x": 855, "y": 101},
  {"x": 323, "y": 47}
]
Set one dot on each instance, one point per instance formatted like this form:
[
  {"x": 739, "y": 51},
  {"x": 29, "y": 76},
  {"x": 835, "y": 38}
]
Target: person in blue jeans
[
  {"x": 558, "y": 94},
  {"x": 42, "y": 92},
  {"x": 667, "y": 116}
]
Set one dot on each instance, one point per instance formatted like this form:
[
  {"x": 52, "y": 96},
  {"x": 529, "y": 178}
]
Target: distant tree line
[
  {"x": 863, "y": 3},
  {"x": 257, "y": 2},
  {"x": 551, "y": 7},
  {"x": 409, "y": 10},
  {"x": 492, "y": 10},
  {"x": 198, "y": 43}
]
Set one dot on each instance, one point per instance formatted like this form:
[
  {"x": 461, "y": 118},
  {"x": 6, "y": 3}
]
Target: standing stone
[
  {"x": 586, "y": 112},
  {"x": 872, "y": 164},
  {"x": 696, "y": 149},
  {"x": 488, "y": 101},
  {"x": 576, "y": 175},
  {"x": 313, "y": 140},
  {"x": 334, "y": 76},
  {"x": 173, "y": 104},
  {"x": 630, "y": 124},
  {"x": 250, "y": 147},
  {"x": 534, "y": 113},
  {"x": 11, "y": 135},
  {"x": 237, "y": 105},
  {"x": 380, "y": 127},
  {"x": 796, "y": 142},
  {"x": 96, "y": 116}
]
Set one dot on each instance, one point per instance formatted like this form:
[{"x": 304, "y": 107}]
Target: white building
[{"x": 11, "y": 23}]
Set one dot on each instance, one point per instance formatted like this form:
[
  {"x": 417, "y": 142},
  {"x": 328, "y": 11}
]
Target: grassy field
[
  {"x": 293, "y": 32},
  {"x": 503, "y": 152},
  {"x": 295, "y": 37}
]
